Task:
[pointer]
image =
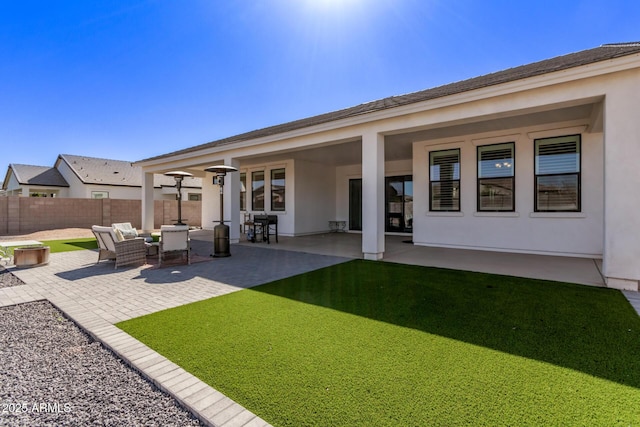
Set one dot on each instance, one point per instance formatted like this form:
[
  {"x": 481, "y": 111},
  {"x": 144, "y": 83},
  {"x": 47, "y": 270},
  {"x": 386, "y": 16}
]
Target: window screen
[
  {"x": 444, "y": 173},
  {"x": 557, "y": 169}
]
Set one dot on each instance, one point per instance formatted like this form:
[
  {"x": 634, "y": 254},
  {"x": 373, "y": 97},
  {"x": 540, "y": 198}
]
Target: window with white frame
[
  {"x": 557, "y": 174},
  {"x": 444, "y": 179},
  {"x": 277, "y": 189},
  {"x": 243, "y": 191},
  {"x": 99, "y": 194},
  {"x": 496, "y": 177},
  {"x": 257, "y": 191}
]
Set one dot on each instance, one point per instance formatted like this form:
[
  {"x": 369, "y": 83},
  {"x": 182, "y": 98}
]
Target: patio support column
[
  {"x": 621, "y": 181},
  {"x": 210, "y": 202},
  {"x": 232, "y": 200},
  {"x": 373, "y": 196},
  {"x": 147, "y": 203}
]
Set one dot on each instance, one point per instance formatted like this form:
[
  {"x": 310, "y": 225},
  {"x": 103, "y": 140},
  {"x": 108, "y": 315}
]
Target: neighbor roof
[
  {"x": 37, "y": 175},
  {"x": 601, "y": 53},
  {"x": 91, "y": 170}
]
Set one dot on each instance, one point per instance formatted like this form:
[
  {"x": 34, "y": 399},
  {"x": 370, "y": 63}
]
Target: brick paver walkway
[{"x": 96, "y": 296}]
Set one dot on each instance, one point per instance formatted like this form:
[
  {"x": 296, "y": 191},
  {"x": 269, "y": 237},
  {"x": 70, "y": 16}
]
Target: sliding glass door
[
  {"x": 399, "y": 203},
  {"x": 355, "y": 204}
]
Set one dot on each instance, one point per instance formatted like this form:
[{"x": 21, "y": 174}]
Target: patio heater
[
  {"x": 221, "y": 231},
  {"x": 179, "y": 176}
]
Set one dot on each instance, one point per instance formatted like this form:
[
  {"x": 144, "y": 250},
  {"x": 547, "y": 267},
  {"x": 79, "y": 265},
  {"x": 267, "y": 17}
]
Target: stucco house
[
  {"x": 537, "y": 159},
  {"x": 89, "y": 177},
  {"x": 34, "y": 181}
]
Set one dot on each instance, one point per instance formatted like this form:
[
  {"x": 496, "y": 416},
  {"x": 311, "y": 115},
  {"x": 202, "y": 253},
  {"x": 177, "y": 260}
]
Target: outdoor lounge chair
[
  {"x": 124, "y": 252},
  {"x": 128, "y": 231},
  {"x": 174, "y": 238}
]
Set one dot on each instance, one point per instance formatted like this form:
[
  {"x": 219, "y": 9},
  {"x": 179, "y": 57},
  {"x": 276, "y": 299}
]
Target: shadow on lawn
[{"x": 592, "y": 330}]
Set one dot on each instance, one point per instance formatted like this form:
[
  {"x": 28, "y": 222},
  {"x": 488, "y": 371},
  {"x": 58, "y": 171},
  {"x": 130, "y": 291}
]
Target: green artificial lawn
[
  {"x": 380, "y": 344},
  {"x": 67, "y": 245}
]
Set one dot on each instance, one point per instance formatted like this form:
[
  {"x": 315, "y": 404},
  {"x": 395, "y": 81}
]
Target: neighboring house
[
  {"x": 537, "y": 159},
  {"x": 89, "y": 177},
  {"x": 34, "y": 181}
]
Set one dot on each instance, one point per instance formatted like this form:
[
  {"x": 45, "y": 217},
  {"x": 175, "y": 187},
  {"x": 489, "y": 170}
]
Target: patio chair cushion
[
  {"x": 105, "y": 243},
  {"x": 119, "y": 235},
  {"x": 174, "y": 238},
  {"x": 129, "y": 232},
  {"x": 126, "y": 229}
]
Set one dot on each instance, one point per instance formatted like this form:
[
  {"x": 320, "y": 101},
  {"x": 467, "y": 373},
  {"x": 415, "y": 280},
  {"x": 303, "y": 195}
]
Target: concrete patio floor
[
  {"x": 96, "y": 296},
  {"x": 584, "y": 271}
]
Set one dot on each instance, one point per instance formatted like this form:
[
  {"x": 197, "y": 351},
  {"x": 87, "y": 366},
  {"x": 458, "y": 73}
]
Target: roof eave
[{"x": 580, "y": 72}]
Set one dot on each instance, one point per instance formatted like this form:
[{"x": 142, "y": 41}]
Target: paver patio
[{"x": 96, "y": 296}]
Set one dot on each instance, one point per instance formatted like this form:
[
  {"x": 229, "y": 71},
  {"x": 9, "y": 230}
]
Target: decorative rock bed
[
  {"x": 7, "y": 279},
  {"x": 54, "y": 374}
]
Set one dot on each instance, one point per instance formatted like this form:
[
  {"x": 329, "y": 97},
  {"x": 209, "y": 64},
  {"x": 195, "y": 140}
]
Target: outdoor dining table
[{"x": 263, "y": 222}]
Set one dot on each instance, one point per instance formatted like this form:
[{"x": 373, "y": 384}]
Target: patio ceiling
[{"x": 398, "y": 146}]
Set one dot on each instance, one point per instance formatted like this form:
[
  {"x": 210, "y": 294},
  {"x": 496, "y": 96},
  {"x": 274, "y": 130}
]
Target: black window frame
[
  {"x": 355, "y": 204},
  {"x": 480, "y": 179},
  {"x": 254, "y": 192},
  {"x": 578, "y": 174},
  {"x": 431, "y": 181},
  {"x": 273, "y": 190},
  {"x": 243, "y": 191}
]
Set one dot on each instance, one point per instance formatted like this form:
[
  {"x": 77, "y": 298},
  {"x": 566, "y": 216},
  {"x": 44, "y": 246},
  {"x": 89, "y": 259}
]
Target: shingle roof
[
  {"x": 91, "y": 170},
  {"x": 601, "y": 53},
  {"x": 38, "y": 175}
]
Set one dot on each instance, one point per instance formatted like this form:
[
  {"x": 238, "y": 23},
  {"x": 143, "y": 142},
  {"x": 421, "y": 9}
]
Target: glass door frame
[
  {"x": 355, "y": 204},
  {"x": 397, "y": 213}
]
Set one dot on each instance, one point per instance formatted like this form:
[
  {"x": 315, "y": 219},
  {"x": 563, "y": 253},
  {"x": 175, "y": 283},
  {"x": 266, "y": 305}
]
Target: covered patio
[
  {"x": 516, "y": 162},
  {"x": 399, "y": 249}
]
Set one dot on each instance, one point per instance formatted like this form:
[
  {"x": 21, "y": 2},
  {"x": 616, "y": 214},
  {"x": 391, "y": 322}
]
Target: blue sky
[{"x": 129, "y": 80}]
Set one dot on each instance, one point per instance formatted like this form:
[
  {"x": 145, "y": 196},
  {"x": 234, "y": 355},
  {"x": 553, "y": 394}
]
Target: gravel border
[
  {"x": 52, "y": 373},
  {"x": 7, "y": 278}
]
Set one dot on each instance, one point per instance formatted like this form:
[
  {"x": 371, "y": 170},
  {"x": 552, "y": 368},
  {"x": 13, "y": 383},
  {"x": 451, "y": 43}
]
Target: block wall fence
[{"x": 21, "y": 215}]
